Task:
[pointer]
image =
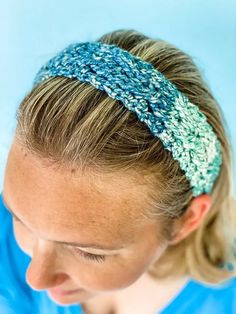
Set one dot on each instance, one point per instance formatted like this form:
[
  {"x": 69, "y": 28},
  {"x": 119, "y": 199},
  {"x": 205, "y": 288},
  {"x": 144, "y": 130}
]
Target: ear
[{"x": 192, "y": 218}]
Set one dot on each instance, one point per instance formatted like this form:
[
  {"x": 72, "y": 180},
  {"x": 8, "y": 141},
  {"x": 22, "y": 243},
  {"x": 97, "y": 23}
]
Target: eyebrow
[{"x": 83, "y": 245}]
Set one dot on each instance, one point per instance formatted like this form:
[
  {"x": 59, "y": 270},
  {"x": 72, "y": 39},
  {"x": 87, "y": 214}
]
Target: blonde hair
[{"x": 73, "y": 123}]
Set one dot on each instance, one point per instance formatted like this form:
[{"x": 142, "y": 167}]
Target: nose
[{"x": 44, "y": 271}]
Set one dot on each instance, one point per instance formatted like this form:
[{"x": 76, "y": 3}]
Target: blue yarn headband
[{"x": 170, "y": 116}]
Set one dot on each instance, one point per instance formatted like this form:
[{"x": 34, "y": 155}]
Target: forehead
[{"x": 68, "y": 198}]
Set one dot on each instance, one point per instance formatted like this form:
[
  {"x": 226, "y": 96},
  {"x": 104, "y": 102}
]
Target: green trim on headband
[{"x": 170, "y": 116}]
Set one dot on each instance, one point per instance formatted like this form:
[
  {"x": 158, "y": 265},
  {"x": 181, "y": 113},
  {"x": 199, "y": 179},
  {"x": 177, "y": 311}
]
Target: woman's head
[
  {"x": 82, "y": 230},
  {"x": 96, "y": 170}
]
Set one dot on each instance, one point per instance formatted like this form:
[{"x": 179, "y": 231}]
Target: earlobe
[
  {"x": 177, "y": 232},
  {"x": 176, "y": 237},
  {"x": 192, "y": 218}
]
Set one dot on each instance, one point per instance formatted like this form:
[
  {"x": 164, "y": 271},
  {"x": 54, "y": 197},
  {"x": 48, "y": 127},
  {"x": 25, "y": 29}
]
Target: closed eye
[{"x": 89, "y": 256}]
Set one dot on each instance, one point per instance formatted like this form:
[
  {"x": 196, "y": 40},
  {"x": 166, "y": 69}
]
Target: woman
[{"x": 119, "y": 182}]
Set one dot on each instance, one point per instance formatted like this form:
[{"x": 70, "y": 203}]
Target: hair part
[{"x": 72, "y": 124}]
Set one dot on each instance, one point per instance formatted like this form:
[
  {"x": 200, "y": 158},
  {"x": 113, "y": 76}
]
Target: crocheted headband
[{"x": 170, "y": 116}]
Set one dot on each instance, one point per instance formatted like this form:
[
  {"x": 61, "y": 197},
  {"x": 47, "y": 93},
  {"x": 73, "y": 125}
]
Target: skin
[{"x": 61, "y": 205}]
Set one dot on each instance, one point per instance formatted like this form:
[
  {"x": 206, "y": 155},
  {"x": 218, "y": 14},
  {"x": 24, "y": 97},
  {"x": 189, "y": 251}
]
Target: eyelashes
[
  {"x": 15, "y": 218},
  {"x": 89, "y": 256}
]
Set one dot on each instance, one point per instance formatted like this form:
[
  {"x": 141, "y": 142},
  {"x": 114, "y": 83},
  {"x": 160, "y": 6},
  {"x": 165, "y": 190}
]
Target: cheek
[
  {"x": 118, "y": 273},
  {"x": 108, "y": 278}
]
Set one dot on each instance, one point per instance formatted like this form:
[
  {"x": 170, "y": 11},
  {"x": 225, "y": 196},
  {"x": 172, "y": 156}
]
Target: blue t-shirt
[{"x": 17, "y": 297}]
